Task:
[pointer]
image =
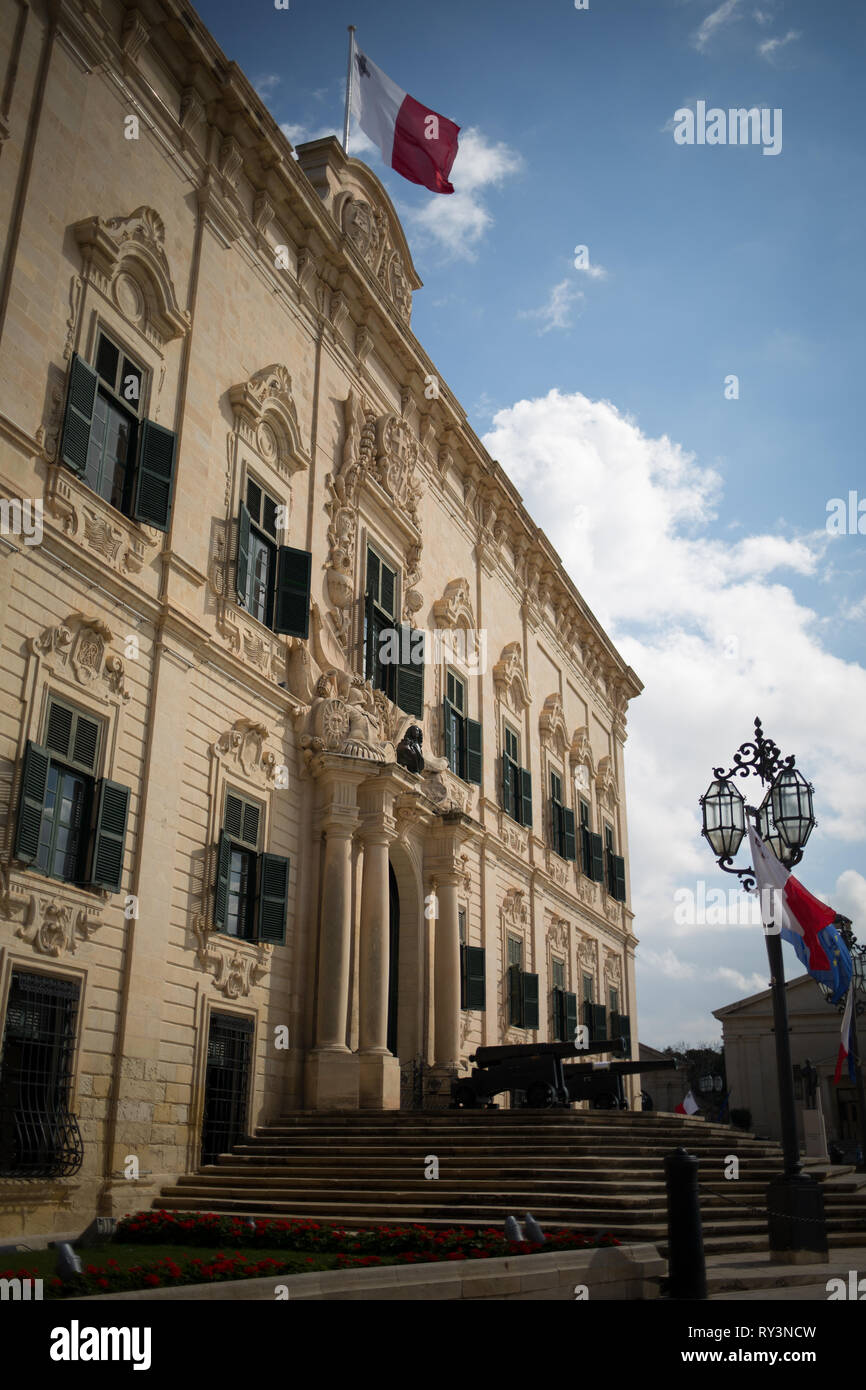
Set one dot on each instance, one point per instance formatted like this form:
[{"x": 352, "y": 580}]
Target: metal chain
[{"x": 758, "y": 1211}]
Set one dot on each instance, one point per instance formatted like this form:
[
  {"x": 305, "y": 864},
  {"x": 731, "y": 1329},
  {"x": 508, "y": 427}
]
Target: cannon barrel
[
  {"x": 616, "y": 1068},
  {"x": 492, "y": 1056}
]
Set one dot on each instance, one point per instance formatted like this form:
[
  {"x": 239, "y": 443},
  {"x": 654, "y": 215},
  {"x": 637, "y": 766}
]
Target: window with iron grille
[
  {"x": 272, "y": 580},
  {"x": 229, "y": 1052},
  {"x": 39, "y": 1138},
  {"x": 252, "y": 888},
  {"x": 126, "y": 459},
  {"x": 71, "y": 825}
]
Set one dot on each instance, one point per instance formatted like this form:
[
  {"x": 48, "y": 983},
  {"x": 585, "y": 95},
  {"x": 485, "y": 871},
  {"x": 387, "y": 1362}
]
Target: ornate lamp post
[
  {"x": 795, "y": 1202},
  {"x": 858, "y": 959}
]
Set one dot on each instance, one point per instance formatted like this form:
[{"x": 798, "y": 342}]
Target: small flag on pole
[
  {"x": 687, "y": 1106},
  {"x": 845, "y": 1045},
  {"x": 415, "y": 141}
]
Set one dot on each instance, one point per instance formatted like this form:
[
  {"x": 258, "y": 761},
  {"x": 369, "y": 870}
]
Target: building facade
[{"x": 249, "y": 541}]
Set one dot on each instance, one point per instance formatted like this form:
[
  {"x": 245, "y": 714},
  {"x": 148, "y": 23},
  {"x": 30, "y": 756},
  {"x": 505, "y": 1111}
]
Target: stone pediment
[{"x": 359, "y": 205}]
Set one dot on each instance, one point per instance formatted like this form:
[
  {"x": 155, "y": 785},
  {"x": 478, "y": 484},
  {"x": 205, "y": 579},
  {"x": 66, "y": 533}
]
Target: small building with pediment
[{"x": 312, "y": 753}]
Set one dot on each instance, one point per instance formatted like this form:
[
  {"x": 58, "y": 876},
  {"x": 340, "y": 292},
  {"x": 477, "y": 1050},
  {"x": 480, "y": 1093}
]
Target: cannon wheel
[
  {"x": 540, "y": 1096},
  {"x": 464, "y": 1094}
]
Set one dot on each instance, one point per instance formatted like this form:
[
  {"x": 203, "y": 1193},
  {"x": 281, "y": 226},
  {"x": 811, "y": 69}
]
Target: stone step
[{"x": 529, "y": 1179}]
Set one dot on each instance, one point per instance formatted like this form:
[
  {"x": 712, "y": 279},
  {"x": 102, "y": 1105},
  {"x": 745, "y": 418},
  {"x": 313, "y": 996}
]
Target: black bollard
[{"x": 687, "y": 1275}]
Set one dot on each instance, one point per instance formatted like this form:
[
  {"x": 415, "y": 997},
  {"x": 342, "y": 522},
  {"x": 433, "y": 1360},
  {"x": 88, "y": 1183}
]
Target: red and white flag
[
  {"x": 845, "y": 1053},
  {"x": 415, "y": 141},
  {"x": 687, "y": 1106}
]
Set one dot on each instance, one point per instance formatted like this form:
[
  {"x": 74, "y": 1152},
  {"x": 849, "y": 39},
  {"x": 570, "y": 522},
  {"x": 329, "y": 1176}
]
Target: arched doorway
[{"x": 393, "y": 958}]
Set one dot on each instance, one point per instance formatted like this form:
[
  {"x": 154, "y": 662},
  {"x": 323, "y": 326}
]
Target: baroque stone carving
[
  {"x": 134, "y": 246},
  {"x": 509, "y": 677},
  {"x": 52, "y": 924},
  {"x": 606, "y": 782},
  {"x": 244, "y": 743},
  {"x": 556, "y": 868},
  {"x": 587, "y": 891},
  {"x": 512, "y": 835},
  {"x": 454, "y": 608},
  {"x": 80, "y": 644},
  {"x": 551, "y": 725},
  {"x": 236, "y": 968},
  {"x": 266, "y": 418},
  {"x": 557, "y": 933},
  {"x": 366, "y": 227},
  {"x": 343, "y": 488},
  {"x": 344, "y": 719},
  {"x": 587, "y": 956},
  {"x": 613, "y": 970}
]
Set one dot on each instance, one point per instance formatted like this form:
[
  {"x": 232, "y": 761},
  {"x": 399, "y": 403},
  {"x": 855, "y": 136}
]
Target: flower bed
[
  {"x": 163, "y": 1273},
  {"x": 415, "y": 1244}
]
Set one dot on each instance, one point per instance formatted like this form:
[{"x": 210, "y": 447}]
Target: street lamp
[
  {"x": 858, "y": 962},
  {"x": 795, "y": 1202}
]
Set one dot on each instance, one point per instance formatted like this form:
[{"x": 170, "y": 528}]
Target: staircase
[{"x": 594, "y": 1171}]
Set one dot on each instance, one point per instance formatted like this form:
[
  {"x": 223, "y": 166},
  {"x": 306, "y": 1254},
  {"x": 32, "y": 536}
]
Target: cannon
[
  {"x": 601, "y": 1082},
  {"x": 536, "y": 1069}
]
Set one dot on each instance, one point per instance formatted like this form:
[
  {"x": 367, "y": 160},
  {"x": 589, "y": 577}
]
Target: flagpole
[{"x": 348, "y": 87}]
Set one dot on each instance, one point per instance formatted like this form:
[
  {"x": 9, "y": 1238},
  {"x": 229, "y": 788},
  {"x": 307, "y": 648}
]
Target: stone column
[
  {"x": 375, "y": 945},
  {"x": 446, "y": 1035}
]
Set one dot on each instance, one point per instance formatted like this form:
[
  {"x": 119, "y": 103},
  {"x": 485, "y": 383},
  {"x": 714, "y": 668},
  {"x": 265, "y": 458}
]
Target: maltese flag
[
  {"x": 803, "y": 921},
  {"x": 845, "y": 1051},
  {"x": 415, "y": 141},
  {"x": 687, "y": 1106}
]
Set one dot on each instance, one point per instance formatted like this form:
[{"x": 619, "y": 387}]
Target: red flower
[{"x": 152, "y": 1279}]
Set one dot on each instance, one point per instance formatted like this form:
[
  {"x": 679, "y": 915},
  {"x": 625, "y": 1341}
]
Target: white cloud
[
  {"x": 713, "y": 628},
  {"x": 595, "y": 272},
  {"x": 762, "y": 17},
  {"x": 770, "y": 47},
  {"x": 714, "y": 22},
  {"x": 849, "y": 898},
  {"x": 556, "y": 312},
  {"x": 267, "y": 85},
  {"x": 455, "y": 222},
  {"x": 299, "y": 134}
]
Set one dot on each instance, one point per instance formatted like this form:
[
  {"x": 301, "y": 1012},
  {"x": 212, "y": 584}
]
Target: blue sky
[{"x": 693, "y": 524}]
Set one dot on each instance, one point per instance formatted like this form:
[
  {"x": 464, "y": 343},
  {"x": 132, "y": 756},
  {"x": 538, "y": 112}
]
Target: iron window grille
[
  {"x": 39, "y": 1137},
  {"x": 229, "y": 1051}
]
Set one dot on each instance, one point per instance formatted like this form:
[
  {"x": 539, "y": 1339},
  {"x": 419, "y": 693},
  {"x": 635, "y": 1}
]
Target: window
[
  {"x": 39, "y": 1138},
  {"x": 593, "y": 1014},
  {"x": 252, "y": 888},
  {"x": 463, "y": 743},
  {"x": 613, "y": 1000},
  {"x": 591, "y": 847},
  {"x": 562, "y": 831},
  {"x": 393, "y": 654},
  {"x": 516, "y": 780},
  {"x": 273, "y": 581},
  {"x": 522, "y": 988},
  {"x": 473, "y": 985},
  {"x": 564, "y": 1006},
  {"x": 588, "y": 989},
  {"x": 71, "y": 825},
  {"x": 128, "y": 460},
  {"x": 615, "y": 868}
]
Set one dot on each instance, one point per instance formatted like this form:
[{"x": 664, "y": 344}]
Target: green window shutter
[
  {"x": 112, "y": 810},
  {"x": 447, "y": 710},
  {"x": 556, "y": 825},
  {"x": 243, "y": 565},
  {"x": 85, "y": 742},
  {"x": 476, "y": 991},
  {"x": 34, "y": 777},
  {"x": 558, "y": 1015},
  {"x": 388, "y": 579},
  {"x": 463, "y": 985},
  {"x": 596, "y": 858},
  {"x": 80, "y": 400},
  {"x": 292, "y": 607},
  {"x": 233, "y": 816},
  {"x": 250, "y": 831},
  {"x": 410, "y": 674},
  {"x": 58, "y": 735},
  {"x": 273, "y": 898},
  {"x": 372, "y": 635},
  {"x": 221, "y": 887},
  {"x": 569, "y": 840},
  {"x": 569, "y": 1001},
  {"x": 618, "y": 877},
  {"x": 598, "y": 1022},
  {"x": 525, "y": 797},
  {"x": 620, "y": 1027},
  {"x": 530, "y": 1000},
  {"x": 474, "y": 751},
  {"x": 515, "y": 996},
  {"x": 154, "y": 482},
  {"x": 507, "y": 774}
]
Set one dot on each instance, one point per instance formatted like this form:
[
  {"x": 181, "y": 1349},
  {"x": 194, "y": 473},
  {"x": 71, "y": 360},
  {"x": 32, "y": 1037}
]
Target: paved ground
[{"x": 751, "y": 1276}]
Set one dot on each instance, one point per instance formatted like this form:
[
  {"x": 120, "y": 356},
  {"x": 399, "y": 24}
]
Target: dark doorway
[
  {"x": 393, "y": 957},
  {"x": 38, "y": 1136},
  {"x": 226, "y": 1084}
]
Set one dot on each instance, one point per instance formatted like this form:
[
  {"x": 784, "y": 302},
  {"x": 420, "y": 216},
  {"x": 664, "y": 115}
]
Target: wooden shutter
[
  {"x": 112, "y": 810},
  {"x": 243, "y": 561},
  {"x": 558, "y": 1014},
  {"x": 525, "y": 797},
  {"x": 80, "y": 400},
  {"x": 508, "y": 770},
  {"x": 72, "y": 736},
  {"x": 388, "y": 577},
  {"x": 530, "y": 1000},
  {"x": 371, "y": 631},
  {"x": 409, "y": 694},
  {"x": 569, "y": 1002},
  {"x": 273, "y": 898},
  {"x": 556, "y": 824},
  {"x": 31, "y": 801},
  {"x": 58, "y": 734},
  {"x": 569, "y": 839},
  {"x": 596, "y": 857},
  {"x": 618, "y": 864},
  {"x": 447, "y": 710},
  {"x": 85, "y": 742},
  {"x": 154, "y": 482},
  {"x": 598, "y": 1024},
  {"x": 476, "y": 991},
  {"x": 474, "y": 751},
  {"x": 515, "y": 996},
  {"x": 292, "y": 606},
  {"x": 221, "y": 887},
  {"x": 620, "y": 1027}
]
